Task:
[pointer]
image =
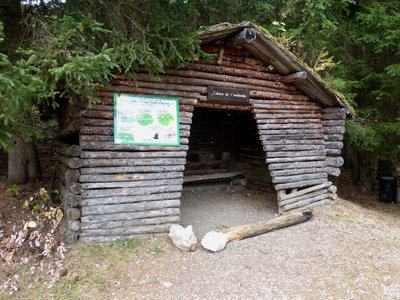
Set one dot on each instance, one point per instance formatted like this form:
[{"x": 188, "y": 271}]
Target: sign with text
[
  {"x": 146, "y": 120},
  {"x": 224, "y": 94}
]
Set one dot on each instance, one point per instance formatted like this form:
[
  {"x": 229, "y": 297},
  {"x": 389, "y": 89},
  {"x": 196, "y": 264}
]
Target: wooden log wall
[
  {"x": 126, "y": 190},
  {"x": 70, "y": 190}
]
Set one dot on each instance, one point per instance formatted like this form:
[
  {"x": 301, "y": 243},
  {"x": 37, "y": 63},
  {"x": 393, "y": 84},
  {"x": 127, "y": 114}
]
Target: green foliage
[
  {"x": 37, "y": 201},
  {"x": 14, "y": 189}
]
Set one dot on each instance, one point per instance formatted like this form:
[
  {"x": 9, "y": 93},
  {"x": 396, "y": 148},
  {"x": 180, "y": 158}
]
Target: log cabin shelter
[{"x": 251, "y": 110}]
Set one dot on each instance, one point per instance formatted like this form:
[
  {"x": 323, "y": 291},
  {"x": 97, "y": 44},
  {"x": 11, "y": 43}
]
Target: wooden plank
[
  {"x": 129, "y": 207},
  {"x": 129, "y": 177},
  {"x": 212, "y": 177},
  {"x": 130, "y": 184},
  {"x": 130, "y": 199},
  {"x": 299, "y": 184},
  {"x": 129, "y": 223},
  {"x": 131, "y": 215},
  {"x": 130, "y": 169},
  {"x": 132, "y": 191},
  {"x": 144, "y": 154}
]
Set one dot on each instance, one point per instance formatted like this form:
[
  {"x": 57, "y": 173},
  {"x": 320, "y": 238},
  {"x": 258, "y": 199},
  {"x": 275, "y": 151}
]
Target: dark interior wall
[{"x": 225, "y": 140}]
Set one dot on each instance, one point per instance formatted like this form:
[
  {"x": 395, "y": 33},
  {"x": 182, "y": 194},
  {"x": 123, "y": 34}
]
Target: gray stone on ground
[{"x": 183, "y": 238}]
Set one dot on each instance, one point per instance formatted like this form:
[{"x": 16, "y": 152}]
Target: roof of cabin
[{"x": 268, "y": 50}]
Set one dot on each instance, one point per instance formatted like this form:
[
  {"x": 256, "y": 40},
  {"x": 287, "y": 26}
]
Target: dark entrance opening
[{"x": 226, "y": 180}]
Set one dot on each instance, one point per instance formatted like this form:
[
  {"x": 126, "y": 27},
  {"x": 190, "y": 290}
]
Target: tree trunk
[{"x": 23, "y": 162}]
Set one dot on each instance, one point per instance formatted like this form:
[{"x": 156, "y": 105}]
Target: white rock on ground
[
  {"x": 214, "y": 241},
  {"x": 183, "y": 238}
]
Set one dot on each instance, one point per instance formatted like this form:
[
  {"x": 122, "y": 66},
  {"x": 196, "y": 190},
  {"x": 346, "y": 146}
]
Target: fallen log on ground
[{"x": 249, "y": 230}]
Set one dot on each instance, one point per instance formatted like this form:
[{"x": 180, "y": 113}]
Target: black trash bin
[{"x": 388, "y": 189}]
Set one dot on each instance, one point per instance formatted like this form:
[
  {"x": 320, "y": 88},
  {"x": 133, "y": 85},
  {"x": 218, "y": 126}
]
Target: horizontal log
[
  {"x": 130, "y": 207},
  {"x": 98, "y": 114},
  {"x": 160, "y": 86},
  {"x": 66, "y": 175},
  {"x": 107, "y": 98},
  {"x": 290, "y": 172},
  {"x": 130, "y": 199},
  {"x": 71, "y": 128},
  {"x": 87, "y": 162},
  {"x": 131, "y": 215},
  {"x": 306, "y": 191},
  {"x": 333, "y": 145},
  {"x": 333, "y": 171},
  {"x": 299, "y": 147},
  {"x": 291, "y": 142},
  {"x": 293, "y": 154},
  {"x": 283, "y": 107},
  {"x": 103, "y": 107},
  {"x": 67, "y": 197},
  {"x": 299, "y": 184},
  {"x": 333, "y": 152},
  {"x": 333, "y": 137},
  {"x": 128, "y": 177},
  {"x": 333, "y": 116},
  {"x": 129, "y": 223},
  {"x": 334, "y": 161},
  {"x": 332, "y": 196},
  {"x": 131, "y": 191},
  {"x": 238, "y": 107},
  {"x": 303, "y": 197},
  {"x": 285, "y": 114},
  {"x": 68, "y": 150},
  {"x": 147, "y": 154},
  {"x": 131, "y": 184},
  {"x": 304, "y": 202},
  {"x": 130, "y": 169},
  {"x": 124, "y": 231},
  {"x": 297, "y": 165},
  {"x": 229, "y": 78},
  {"x": 74, "y": 225},
  {"x": 314, "y": 204},
  {"x": 265, "y": 119},
  {"x": 70, "y": 162},
  {"x": 282, "y": 101},
  {"x": 327, "y": 123},
  {"x": 290, "y": 131},
  {"x": 234, "y": 62},
  {"x": 332, "y": 189},
  {"x": 330, "y": 110},
  {"x": 298, "y": 178},
  {"x": 110, "y": 146},
  {"x": 278, "y": 96},
  {"x": 295, "y": 137},
  {"x": 147, "y": 91},
  {"x": 70, "y": 237},
  {"x": 295, "y": 77},
  {"x": 295, "y": 159},
  {"x": 290, "y": 126},
  {"x": 91, "y": 130},
  {"x": 250, "y": 230},
  {"x": 72, "y": 213},
  {"x": 333, "y": 130}
]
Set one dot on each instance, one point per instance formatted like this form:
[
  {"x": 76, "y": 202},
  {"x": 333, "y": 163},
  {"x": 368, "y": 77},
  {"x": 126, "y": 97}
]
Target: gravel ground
[{"x": 347, "y": 251}]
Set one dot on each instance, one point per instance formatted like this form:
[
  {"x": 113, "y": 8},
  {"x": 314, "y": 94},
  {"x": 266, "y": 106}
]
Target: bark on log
[
  {"x": 286, "y": 142},
  {"x": 279, "y": 96},
  {"x": 147, "y": 91},
  {"x": 138, "y": 169},
  {"x": 295, "y": 77},
  {"x": 290, "y": 126},
  {"x": 136, "y": 155},
  {"x": 129, "y": 177},
  {"x": 67, "y": 176},
  {"x": 68, "y": 150},
  {"x": 266, "y": 119},
  {"x": 130, "y": 162},
  {"x": 129, "y": 223},
  {"x": 295, "y": 137},
  {"x": 290, "y": 172},
  {"x": 299, "y": 184},
  {"x": 290, "y": 131},
  {"x": 160, "y": 86},
  {"x": 69, "y": 198},
  {"x": 334, "y": 116},
  {"x": 333, "y": 171},
  {"x": 131, "y": 191},
  {"x": 294, "y": 159},
  {"x": 297, "y": 165},
  {"x": 270, "y": 107},
  {"x": 327, "y": 123},
  {"x": 250, "y": 230},
  {"x": 333, "y": 130},
  {"x": 74, "y": 126},
  {"x": 304, "y": 202},
  {"x": 333, "y": 137},
  {"x": 304, "y": 197},
  {"x": 110, "y": 146},
  {"x": 293, "y": 154},
  {"x": 286, "y": 114},
  {"x": 130, "y": 184},
  {"x": 333, "y": 145},
  {"x": 296, "y": 178},
  {"x": 125, "y": 231},
  {"x": 130, "y": 199},
  {"x": 333, "y": 152},
  {"x": 334, "y": 161},
  {"x": 307, "y": 190},
  {"x": 74, "y": 225},
  {"x": 72, "y": 213},
  {"x": 298, "y": 147},
  {"x": 241, "y": 107},
  {"x": 70, "y": 162},
  {"x": 335, "y": 110},
  {"x": 131, "y": 207},
  {"x": 131, "y": 215}
]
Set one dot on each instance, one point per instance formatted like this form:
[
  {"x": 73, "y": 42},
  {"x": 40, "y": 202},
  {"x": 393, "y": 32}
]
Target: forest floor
[{"x": 350, "y": 250}]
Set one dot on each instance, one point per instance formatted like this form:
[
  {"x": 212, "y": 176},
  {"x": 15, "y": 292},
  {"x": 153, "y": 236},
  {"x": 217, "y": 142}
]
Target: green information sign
[{"x": 146, "y": 120}]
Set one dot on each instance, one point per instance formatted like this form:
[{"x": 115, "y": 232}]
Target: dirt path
[{"x": 347, "y": 251}]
